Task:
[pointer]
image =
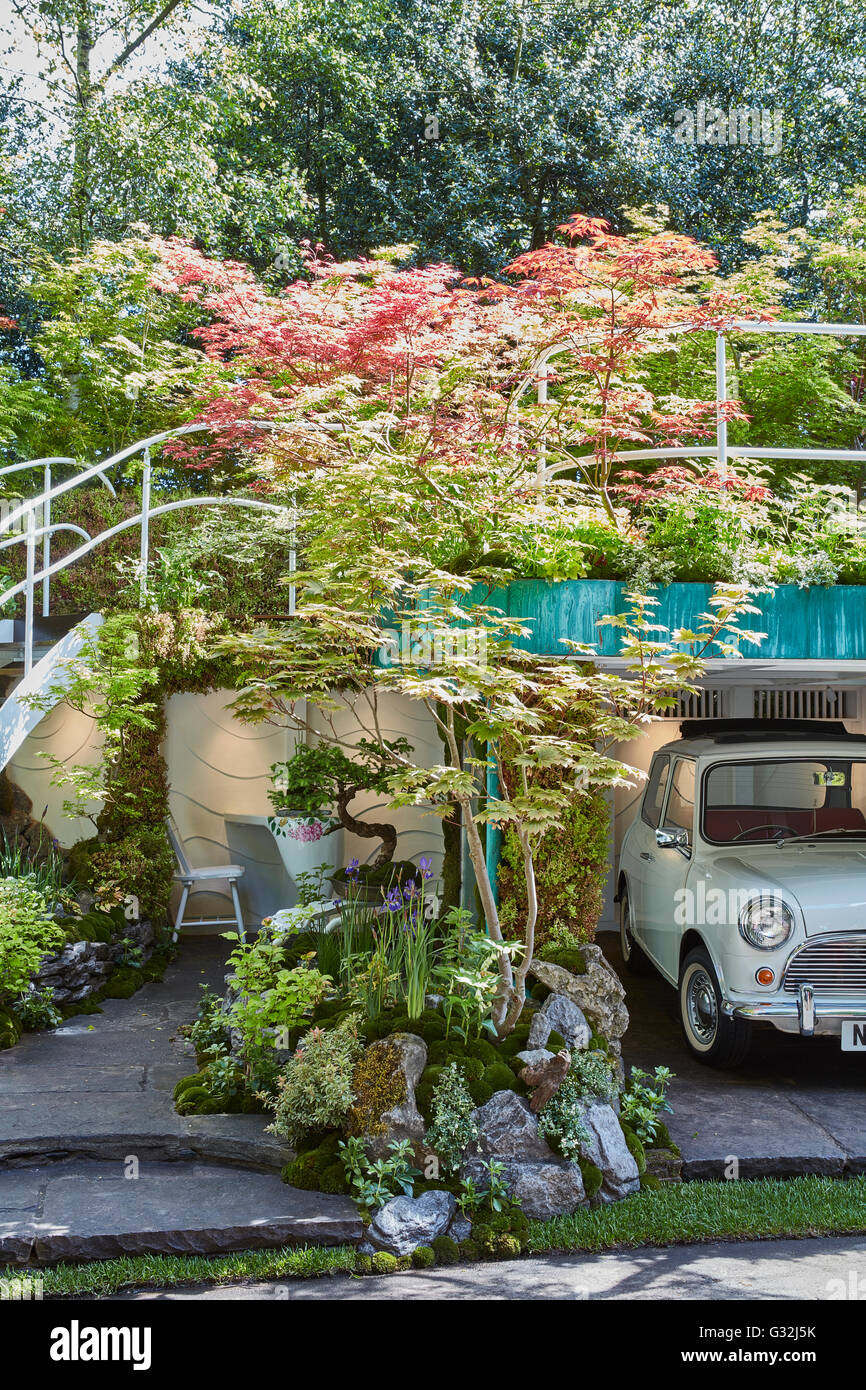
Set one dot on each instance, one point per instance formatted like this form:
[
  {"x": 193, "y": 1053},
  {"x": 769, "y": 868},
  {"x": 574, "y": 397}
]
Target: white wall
[
  {"x": 72, "y": 737},
  {"x": 218, "y": 768}
]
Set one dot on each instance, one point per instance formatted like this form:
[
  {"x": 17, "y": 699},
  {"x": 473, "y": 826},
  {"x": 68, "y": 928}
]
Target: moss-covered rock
[
  {"x": 122, "y": 984},
  {"x": 635, "y": 1148},
  {"x": 571, "y": 958},
  {"x": 334, "y": 1179},
  {"x": 423, "y": 1257},
  {"x": 379, "y": 1086},
  {"x": 470, "y": 1250},
  {"x": 10, "y": 1029},
  {"x": 383, "y": 1263},
  {"x": 592, "y": 1176},
  {"x": 445, "y": 1250},
  {"x": 649, "y": 1182},
  {"x": 191, "y": 1099},
  {"x": 197, "y": 1079},
  {"x": 480, "y": 1092},
  {"x": 500, "y": 1077}
]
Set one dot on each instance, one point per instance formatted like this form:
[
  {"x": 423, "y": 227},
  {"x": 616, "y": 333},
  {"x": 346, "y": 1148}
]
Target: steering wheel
[{"x": 771, "y": 825}]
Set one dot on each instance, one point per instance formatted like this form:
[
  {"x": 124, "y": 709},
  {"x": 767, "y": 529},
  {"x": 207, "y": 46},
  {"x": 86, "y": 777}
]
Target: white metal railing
[
  {"x": 722, "y": 451},
  {"x": 25, "y": 515}
]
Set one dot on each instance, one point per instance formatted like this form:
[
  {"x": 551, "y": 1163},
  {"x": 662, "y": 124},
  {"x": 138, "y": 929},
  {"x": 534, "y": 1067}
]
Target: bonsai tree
[{"x": 323, "y": 776}]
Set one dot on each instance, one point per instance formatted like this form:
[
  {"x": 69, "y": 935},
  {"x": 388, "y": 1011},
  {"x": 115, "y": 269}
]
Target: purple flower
[
  {"x": 352, "y": 869},
  {"x": 410, "y": 889},
  {"x": 425, "y": 865}
]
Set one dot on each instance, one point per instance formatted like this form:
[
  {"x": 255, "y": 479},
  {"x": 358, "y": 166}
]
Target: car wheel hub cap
[{"x": 703, "y": 1014}]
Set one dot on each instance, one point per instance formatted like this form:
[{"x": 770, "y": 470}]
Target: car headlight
[{"x": 766, "y": 922}]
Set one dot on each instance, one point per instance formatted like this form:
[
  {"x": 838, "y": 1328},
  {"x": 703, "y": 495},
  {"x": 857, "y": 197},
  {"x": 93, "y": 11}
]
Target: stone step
[{"x": 86, "y": 1210}]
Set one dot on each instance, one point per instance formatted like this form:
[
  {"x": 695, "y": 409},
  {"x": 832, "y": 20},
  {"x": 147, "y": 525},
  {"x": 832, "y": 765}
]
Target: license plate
[{"x": 854, "y": 1035}]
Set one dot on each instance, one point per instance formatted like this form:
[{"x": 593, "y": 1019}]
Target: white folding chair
[{"x": 188, "y": 877}]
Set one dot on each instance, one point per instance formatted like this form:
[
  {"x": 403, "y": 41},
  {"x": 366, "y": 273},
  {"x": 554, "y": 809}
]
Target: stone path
[
  {"x": 91, "y": 1210},
  {"x": 795, "y": 1106},
  {"x": 77, "y": 1104}
]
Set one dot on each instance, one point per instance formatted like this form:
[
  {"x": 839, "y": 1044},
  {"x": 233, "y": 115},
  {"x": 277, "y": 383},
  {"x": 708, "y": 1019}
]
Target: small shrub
[
  {"x": 315, "y": 1090},
  {"x": 453, "y": 1126},
  {"x": 591, "y": 1075},
  {"x": 561, "y": 1122},
  {"x": 643, "y": 1100},
  {"x": 29, "y": 934},
  {"x": 36, "y": 1009}
]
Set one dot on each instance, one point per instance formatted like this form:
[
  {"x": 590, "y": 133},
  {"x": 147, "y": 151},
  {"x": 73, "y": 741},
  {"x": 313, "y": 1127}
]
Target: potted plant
[{"x": 311, "y": 795}]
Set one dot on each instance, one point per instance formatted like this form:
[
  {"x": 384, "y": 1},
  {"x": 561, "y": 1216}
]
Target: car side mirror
[{"x": 674, "y": 838}]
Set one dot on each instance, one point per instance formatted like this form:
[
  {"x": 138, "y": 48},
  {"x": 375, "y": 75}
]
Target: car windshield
[{"x": 785, "y": 799}]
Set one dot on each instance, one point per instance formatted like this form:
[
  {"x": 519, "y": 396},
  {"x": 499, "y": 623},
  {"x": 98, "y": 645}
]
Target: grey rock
[
  {"x": 404, "y": 1223},
  {"x": 599, "y": 993},
  {"x": 507, "y": 1128},
  {"x": 560, "y": 1014},
  {"x": 543, "y": 1189},
  {"x": 532, "y": 1056},
  {"x": 460, "y": 1228},
  {"x": 607, "y": 1149},
  {"x": 403, "y": 1121}
]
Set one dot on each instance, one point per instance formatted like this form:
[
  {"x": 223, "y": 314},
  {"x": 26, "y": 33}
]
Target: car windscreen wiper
[{"x": 818, "y": 835}]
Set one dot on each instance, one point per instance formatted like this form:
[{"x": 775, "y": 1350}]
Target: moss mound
[
  {"x": 10, "y": 1029},
  {"x": 445, "y": 1249},
  {"x": 592, "y": 1177}
]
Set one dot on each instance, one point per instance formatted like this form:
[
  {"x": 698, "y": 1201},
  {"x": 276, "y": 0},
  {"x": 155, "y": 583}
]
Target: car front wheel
[{"x": 711, "y": 1036}]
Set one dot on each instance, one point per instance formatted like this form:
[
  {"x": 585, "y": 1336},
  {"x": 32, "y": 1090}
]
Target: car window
[
  {"x": 681, "y": 801},
  {"x": 654, "y": 796}
]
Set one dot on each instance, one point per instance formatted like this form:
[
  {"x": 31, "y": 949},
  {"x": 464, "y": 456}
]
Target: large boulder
[
  {"x": 507, "y": 1128},
  {"x": 599, "y": 992},
  {"x": 544, "y": 1184},
  {"x": 607, "y": 1149},
  {"x": 406, "y": 1057},
  {"x": 404, "y": 1223},
  {"x": 560, "y": 1014}
]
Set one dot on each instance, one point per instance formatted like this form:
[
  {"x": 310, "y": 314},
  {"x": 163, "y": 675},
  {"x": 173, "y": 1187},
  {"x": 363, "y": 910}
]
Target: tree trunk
[
  {"x": 80, "y": 191},
  {"x": 368, "y": 829}
]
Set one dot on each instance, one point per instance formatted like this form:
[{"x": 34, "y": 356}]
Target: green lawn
[{"x": 677, "y": 1214}]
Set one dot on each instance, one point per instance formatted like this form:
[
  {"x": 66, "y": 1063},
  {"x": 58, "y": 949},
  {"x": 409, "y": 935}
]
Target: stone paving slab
[
  {"x": 100, "y": 1086},
  {"x": 91, "y": 1210}
]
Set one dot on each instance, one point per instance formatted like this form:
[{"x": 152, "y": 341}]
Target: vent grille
[
  {"x": 700, "y": 704},
  {"x": 806, "y": 702},
  {"x": 837, "y": 967}
]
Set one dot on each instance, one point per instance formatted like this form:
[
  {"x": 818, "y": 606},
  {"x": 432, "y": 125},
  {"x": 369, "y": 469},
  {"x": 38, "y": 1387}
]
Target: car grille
[{"x": 837, "y": 967}]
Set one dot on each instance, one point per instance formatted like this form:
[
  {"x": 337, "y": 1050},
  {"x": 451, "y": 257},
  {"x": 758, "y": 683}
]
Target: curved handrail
[
  {"x": 47, "y": 464},
  {"x": 93, "y": 542},
  {"x": 44, "y": 531}
]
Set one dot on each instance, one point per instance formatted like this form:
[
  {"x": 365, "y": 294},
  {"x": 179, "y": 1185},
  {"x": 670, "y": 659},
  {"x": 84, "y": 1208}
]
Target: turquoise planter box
[{"x": 801, "y": 624}]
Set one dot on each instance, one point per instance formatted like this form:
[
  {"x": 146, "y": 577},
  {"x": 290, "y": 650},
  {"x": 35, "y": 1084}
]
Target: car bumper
[{"x": 806, "y": 1013}]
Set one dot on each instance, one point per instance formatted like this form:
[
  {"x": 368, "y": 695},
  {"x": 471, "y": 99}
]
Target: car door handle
[{"x": 644, "y": 854}]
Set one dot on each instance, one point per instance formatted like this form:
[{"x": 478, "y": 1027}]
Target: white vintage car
[{"x": 742, "y": 879}]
